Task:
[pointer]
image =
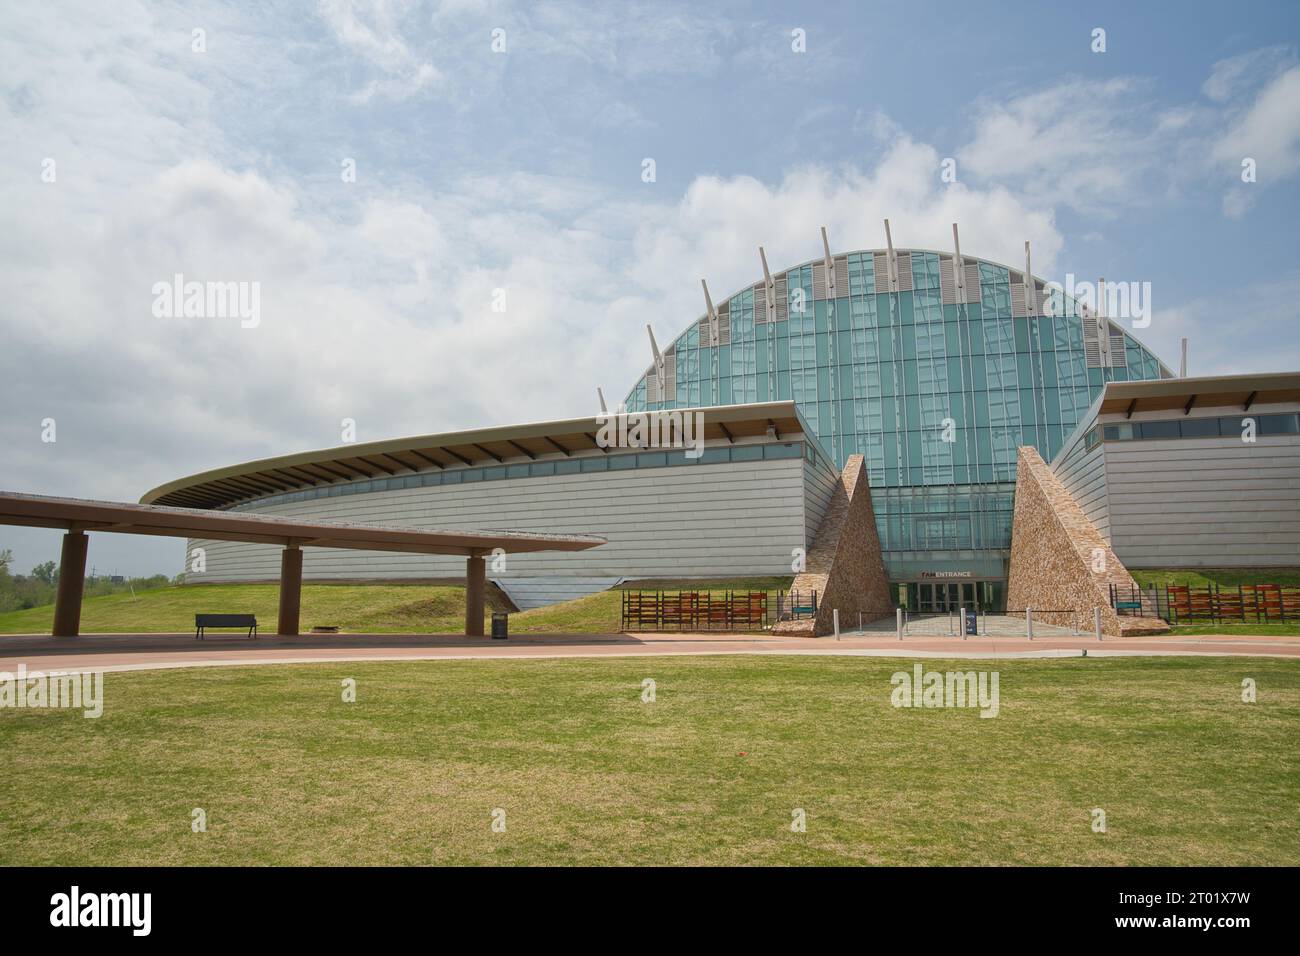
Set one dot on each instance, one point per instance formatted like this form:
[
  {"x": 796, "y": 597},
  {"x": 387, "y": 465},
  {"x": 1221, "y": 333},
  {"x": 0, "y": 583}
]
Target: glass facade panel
[{"x": 936, "y": 396}]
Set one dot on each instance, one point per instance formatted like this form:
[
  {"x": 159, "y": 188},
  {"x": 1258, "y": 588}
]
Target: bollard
[
  {"x": 1029, "y": 622},
  {"x": 835, "y": 616},
  {"x": 898, "y": 622},
  {"x": 1096, "y": 621},
  {"x": 961, "y": 621}
]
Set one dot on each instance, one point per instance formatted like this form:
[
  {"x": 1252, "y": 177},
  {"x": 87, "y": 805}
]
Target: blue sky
[{"x": 522, "y": 170}]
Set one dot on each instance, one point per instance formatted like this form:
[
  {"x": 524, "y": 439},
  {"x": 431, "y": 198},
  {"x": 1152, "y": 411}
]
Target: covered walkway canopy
[{"x": 76, "y": 516}]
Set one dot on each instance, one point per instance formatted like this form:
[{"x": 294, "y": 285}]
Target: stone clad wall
[
  {"x": 844, "y": 563},
  {"x": 1053, "y": 545}
]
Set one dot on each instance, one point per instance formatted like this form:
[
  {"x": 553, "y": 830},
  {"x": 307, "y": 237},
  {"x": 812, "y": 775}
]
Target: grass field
[
  {"x": 357, "y": 608},
  {"x": 1223, "y": 577},
  {"x": 709, "y": 773}
]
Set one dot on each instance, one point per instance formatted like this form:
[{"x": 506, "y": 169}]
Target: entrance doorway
[{"x": 943, "y": 597}]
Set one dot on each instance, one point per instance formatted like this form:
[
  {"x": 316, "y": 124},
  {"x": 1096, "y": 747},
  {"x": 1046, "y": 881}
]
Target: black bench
[{"x": 202, "y": 621}]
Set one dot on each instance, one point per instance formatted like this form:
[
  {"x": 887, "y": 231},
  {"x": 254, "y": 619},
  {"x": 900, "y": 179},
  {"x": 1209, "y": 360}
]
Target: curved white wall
[{"x": 727, "y": 519}]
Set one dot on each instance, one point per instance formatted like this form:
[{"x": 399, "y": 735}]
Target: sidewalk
[{"x": 154, "y": 651}]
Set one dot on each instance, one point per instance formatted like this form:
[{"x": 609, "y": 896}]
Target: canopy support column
[
  {"x": 475, "y": 583},
  {"x": 72, "y": 584},
  {"x": 290, "y": 590}
]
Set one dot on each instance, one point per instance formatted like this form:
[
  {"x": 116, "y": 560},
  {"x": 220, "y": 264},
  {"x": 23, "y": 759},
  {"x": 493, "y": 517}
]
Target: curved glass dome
[{"x": 935, "y": 381}]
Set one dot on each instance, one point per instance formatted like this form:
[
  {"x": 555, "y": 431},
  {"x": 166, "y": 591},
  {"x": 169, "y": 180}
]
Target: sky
[{"x": 448, "y": 215}]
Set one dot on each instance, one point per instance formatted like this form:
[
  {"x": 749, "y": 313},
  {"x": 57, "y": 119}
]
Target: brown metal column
[
  {"x": 290, "y": 590},
  {"x": 475, "y": 571},
  {"x": 72, "y": 583}
]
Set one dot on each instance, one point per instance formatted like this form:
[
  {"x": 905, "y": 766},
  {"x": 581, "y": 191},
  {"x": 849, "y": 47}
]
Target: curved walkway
[{"x": 119, "y": 652}]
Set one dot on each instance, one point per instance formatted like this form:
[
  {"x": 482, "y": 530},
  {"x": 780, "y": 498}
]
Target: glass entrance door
[{"x": 935, "y": 597}]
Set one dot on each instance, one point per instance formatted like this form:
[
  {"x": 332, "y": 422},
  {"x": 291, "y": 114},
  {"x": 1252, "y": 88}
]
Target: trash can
[{"x": 500, "y": 625}]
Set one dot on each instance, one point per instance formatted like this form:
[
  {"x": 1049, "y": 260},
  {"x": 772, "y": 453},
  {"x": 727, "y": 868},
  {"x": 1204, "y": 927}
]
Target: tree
[{"x": 47, "y": 572}]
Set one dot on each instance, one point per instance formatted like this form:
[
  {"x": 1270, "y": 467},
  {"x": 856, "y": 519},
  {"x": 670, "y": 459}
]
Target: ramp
[{"x": 539, "y": 592}]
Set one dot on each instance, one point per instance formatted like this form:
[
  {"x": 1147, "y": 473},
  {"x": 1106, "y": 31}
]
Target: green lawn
[
  {"x": 1223, "y": 577},
  {"x": 709, "y": 773},
  {"x": 358, "y": 608}
]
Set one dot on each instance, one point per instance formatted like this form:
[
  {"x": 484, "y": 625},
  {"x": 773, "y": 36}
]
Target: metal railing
[
  {"x": 796, "y": 604},
  {"x": 1182, "y": 603},
  {"x": 696, "y": 610}
]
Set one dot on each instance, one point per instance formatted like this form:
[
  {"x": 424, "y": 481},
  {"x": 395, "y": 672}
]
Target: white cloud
[
  {"x": 372, "y": 29},
  {"x": 1230, "y": 77},
  {"x": 1267, "y": 132},
  {"x": 1086, "y": 144},
  {"x": 1098, "y": 147},
  {"x": 715, "y": 229}
]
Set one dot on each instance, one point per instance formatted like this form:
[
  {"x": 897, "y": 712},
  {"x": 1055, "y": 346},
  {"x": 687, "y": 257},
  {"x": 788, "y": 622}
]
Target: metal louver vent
[
  {"x": 1091, "y": 343},
  {"x": 1044, "y": 297},
  {"x": 904, "y": 260},
  {"x": 1018, "y": 309},
  {"x": 842, "y": 275},
  {"x": 947, "y": 283},
  {"x": 724, "y": 328},
  {"x": 880, "y": 263},
  {"x": 819, "y": 281},
  {"x": 670, "y": 376},
  {"x": 651, "y": 387},
  {"x": 1117, "y": 357},
  {"x": 972, "y": 282},
  {"x": 782, "y": 299}
]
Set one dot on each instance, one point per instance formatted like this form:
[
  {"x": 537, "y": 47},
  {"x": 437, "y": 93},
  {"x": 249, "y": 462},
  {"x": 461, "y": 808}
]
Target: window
[
  {"x": 1200, "y": 427},
  {"x": 1159, "y": 429},
  {"x": 1278, "y": 425},
  {"x": 790, "y": 450}
]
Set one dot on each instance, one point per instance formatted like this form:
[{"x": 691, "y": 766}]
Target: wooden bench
[{"x": 202, "y": 621}]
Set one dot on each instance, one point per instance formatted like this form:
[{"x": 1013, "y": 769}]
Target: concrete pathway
[
  {"x": 119, "y": 652},
  {"x": 990, "y": 625}
]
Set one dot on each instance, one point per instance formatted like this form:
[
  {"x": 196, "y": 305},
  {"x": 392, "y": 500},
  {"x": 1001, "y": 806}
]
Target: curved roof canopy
[
  {"x": 221, "y": 487},
  {"x": 1213, "y": 391}
]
